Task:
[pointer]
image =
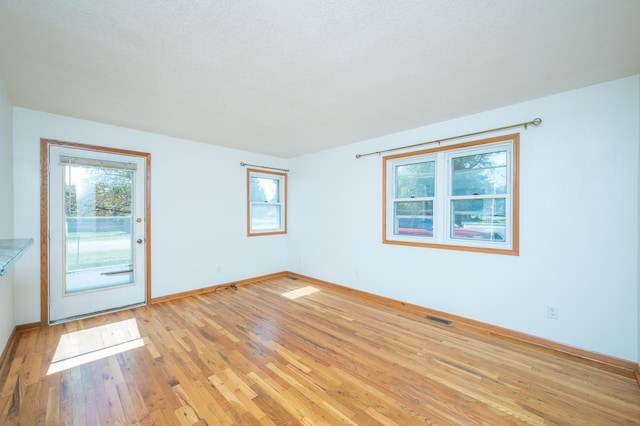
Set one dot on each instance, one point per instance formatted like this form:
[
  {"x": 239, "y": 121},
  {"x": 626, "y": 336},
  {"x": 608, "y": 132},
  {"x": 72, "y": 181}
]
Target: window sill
[
  {"x": 10, "y": 252},
  {"x": 513, "y": 251}
]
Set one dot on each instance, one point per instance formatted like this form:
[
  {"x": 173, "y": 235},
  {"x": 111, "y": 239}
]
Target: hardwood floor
[{"x": 291, "y": 352}]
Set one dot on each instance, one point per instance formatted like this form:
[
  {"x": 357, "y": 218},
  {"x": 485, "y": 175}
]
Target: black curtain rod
[
  {"x": 535, "y": 122},
  {"x": 264, "y": 167}
]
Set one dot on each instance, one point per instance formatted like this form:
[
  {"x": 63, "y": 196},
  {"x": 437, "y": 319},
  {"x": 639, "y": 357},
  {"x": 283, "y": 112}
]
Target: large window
[
  {"x": 266, "y": 204},
  {"x": 462, "y": 196}
]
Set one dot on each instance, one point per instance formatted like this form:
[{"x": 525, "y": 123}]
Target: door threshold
[{"x": 98, "y": 313}]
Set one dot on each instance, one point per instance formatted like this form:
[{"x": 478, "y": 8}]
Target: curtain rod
[
  {"x": 535, "y": 122},
  {"x": 264, "y": 167}
]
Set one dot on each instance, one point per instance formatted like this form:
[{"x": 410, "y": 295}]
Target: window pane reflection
[
  {"x": 478, "y": 219},
  {"x": 414, "y": 218},
  {"x": 415, "y": 180},
  {"x": 480, "y": 174}
]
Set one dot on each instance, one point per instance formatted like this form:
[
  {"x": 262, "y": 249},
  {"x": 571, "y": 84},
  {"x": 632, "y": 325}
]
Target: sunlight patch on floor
[
  {"x": 304, "y": 291},
  {"x": 84, "y": 346}
]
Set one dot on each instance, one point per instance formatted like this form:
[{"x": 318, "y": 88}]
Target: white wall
[
  {"x": 578, "y": 234},
  {"x": 198, "y": 197},
  {"x": 7, "y": 322},
  {"x": 579, "y": 219}
]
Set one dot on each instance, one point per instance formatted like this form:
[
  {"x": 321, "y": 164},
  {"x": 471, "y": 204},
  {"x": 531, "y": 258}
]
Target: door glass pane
[
  {"x": 99, "y": 228},
  {"x": 480, "y": 174},
  {"x": 478, "y": 219}
]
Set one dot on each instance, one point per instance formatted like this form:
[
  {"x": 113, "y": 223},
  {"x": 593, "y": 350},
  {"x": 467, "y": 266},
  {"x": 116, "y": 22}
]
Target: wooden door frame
[{"x": 44, "y": 216}]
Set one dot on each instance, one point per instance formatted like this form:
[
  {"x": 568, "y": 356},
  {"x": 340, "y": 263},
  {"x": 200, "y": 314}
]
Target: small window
[
  {"x": 266, "y": 204},
  {"x": 462, "y": 197}
]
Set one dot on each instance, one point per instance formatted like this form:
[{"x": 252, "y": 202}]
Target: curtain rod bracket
[{"x": 536, "y": 122}]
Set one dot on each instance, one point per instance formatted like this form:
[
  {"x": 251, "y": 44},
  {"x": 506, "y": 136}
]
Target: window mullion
[{"x": 440, "y": 208}]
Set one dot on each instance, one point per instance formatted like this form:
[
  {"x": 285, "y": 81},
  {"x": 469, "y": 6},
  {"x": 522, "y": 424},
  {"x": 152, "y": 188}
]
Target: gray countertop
[{"x": 11, "y": 250}]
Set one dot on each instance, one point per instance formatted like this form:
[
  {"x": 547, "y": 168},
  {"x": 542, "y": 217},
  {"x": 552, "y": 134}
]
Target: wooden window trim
[
  {"x": 281, "y": 175},
  {"x": 44, "y": 216},
  {"x": 515, "y": 196}
]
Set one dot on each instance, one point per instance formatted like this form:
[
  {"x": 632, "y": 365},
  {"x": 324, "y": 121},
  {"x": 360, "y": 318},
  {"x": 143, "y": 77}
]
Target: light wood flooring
[{"x": 290, "y": 352}]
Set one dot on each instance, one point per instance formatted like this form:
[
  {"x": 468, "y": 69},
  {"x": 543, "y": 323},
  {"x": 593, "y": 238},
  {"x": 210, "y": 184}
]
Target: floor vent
[
  {"x": 291, "y": 277},
  {"x": 439, "y": 320}
]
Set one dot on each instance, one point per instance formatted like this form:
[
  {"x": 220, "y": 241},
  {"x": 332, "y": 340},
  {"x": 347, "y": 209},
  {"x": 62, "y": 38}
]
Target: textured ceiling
[{"x": 290, "y": 77}]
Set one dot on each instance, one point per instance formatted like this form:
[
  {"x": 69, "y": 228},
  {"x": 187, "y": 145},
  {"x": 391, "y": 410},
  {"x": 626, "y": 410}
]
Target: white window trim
[
  {"x": 282, "y": 178},
  {"x": 391, "y": 184},
  {"x": 442, "y": 203}
]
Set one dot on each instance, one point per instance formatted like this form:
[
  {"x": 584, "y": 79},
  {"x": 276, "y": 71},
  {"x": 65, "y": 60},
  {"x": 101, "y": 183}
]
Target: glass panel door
[{"x": 97, "y": 243}]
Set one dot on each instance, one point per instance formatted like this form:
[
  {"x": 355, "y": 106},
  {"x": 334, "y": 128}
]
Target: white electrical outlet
[{"x": 553, "y": 312}]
